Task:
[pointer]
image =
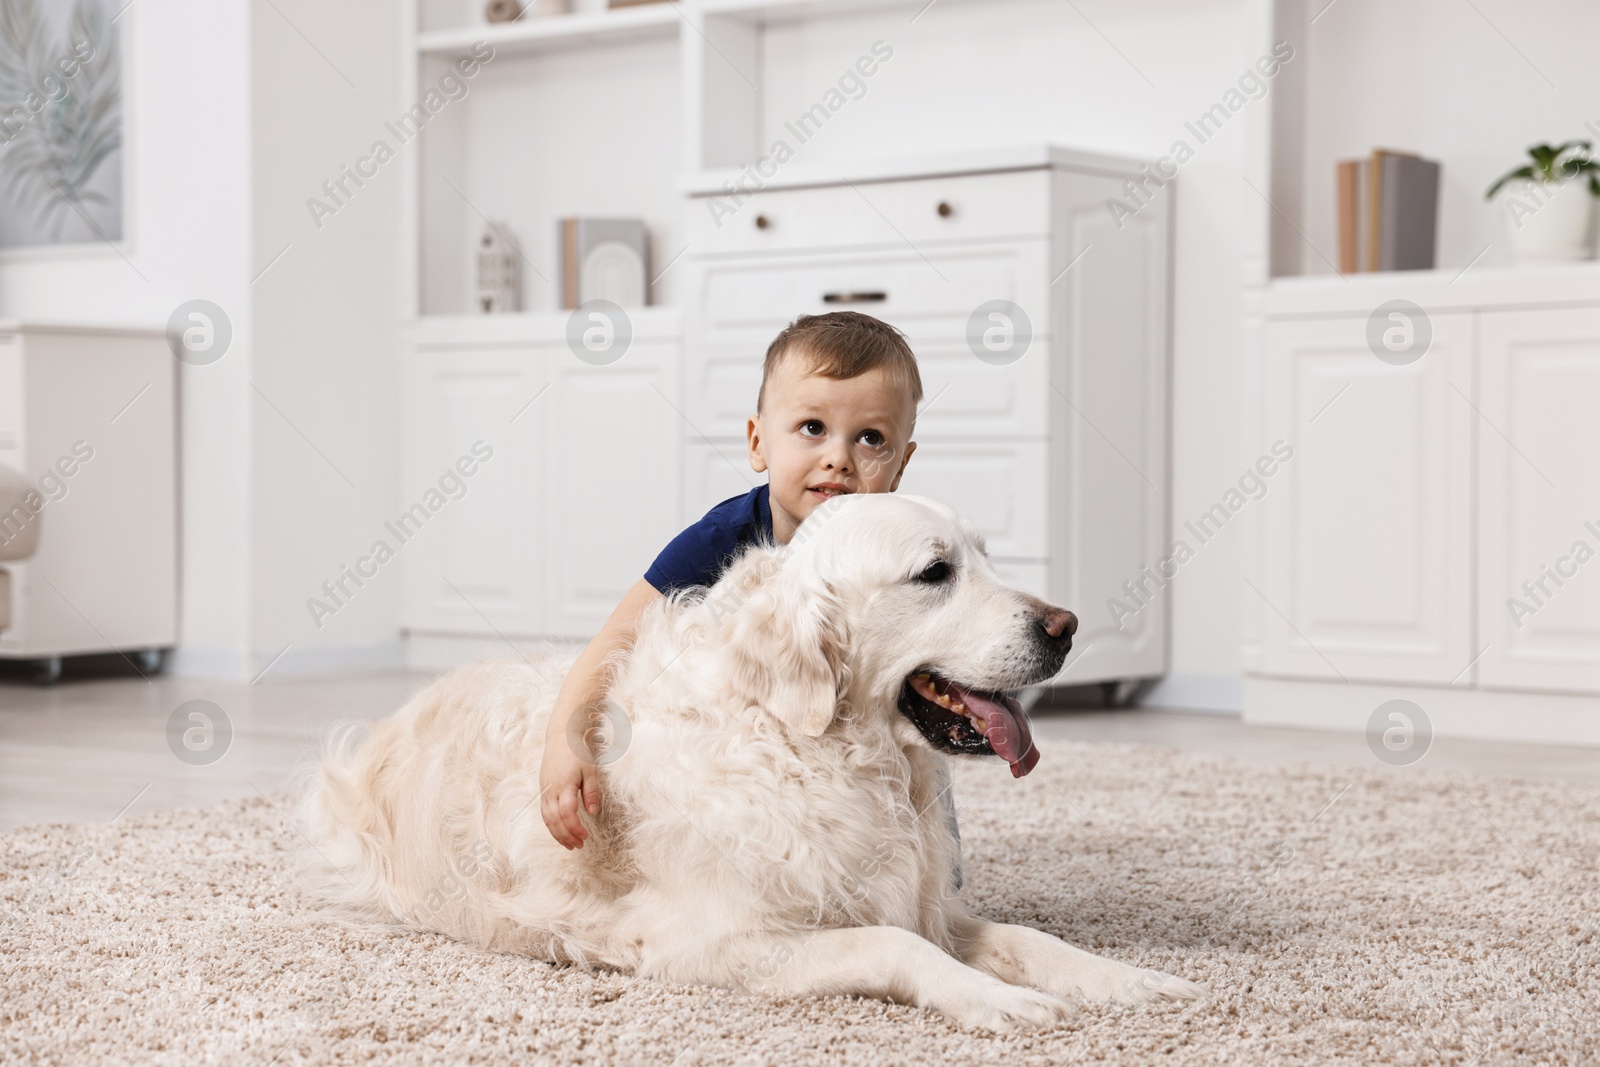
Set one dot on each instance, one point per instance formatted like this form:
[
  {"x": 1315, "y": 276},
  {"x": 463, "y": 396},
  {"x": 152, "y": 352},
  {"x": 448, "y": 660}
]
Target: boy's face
[{"x": 819, "y": 437}]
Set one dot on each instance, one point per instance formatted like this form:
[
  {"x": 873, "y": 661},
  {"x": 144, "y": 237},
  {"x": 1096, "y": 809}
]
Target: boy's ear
[
  {"x": 752, "y": 435},
  {"x": 785, "y": 638},
  {"x": 911, "y": 446}
]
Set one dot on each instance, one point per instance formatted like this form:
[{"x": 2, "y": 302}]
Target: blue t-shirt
[{"x": 700, "y": 554}]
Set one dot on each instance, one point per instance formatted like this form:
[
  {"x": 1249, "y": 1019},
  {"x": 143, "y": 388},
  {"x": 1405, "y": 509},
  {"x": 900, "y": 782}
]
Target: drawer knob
[
  {"x": 762, "y": 222},
  {"x": 854, "y": 298},
  {"x": 945, "y": 210}
]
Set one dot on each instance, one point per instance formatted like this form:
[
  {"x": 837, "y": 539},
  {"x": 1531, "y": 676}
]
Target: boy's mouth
[{"x": 825, "y": 490}]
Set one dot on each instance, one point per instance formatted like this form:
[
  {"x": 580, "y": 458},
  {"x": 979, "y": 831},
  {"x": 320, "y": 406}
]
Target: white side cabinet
[
  {"x": 87, "y": 413},
  {"x": 581, "y": 490},
  {"x": 1040, "y": 323},
  {"x": 1368, "y": 528},
  {"x": 1436, "y": 537}
]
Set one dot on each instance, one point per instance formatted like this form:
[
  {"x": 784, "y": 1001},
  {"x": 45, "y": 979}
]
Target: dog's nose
[{"x": 1058, "y": 623}]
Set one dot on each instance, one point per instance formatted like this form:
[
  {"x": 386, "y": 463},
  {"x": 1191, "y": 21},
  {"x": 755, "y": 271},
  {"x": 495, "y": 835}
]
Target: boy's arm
[{"x": 567, "y": 775}]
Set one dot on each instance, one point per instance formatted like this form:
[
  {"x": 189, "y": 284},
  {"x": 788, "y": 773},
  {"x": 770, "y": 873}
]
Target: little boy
[{"x": 835, "y": 413}]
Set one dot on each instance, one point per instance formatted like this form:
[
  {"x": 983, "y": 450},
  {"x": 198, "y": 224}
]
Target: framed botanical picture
[{"x": 60, "y": 122}]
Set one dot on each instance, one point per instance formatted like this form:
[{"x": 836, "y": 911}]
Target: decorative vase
[{"x": 1551, "y": 222}]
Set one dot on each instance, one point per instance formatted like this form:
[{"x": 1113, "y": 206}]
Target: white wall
[
  {"x": 971, "y": 74},
  {"x": 187, "y": 233},
  {"x": 325, "y": 395},
  {"x": 1479, "y": 83},
  {"x": 232, "y": 119}
]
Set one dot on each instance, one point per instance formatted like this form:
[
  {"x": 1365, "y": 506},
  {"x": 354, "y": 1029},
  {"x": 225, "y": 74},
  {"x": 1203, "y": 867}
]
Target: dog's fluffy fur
[{"x": 770, "y": 819}]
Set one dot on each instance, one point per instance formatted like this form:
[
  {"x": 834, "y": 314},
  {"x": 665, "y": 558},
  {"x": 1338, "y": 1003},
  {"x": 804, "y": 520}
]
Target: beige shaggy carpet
[{"x": 1361, "y": 917}]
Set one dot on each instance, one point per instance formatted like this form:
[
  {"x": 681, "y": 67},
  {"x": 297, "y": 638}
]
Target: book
[
  {"x": 1388, "y": 209},
  {"x": 1410, "y": 213},
  {"x": 1349, "y": 179}
]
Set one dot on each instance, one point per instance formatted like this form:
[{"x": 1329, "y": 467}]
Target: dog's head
[{"x": 890, "y": 602}]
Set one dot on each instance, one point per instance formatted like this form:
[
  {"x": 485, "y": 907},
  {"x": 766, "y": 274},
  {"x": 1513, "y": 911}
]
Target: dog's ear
[{"x": 786, "y": 638}]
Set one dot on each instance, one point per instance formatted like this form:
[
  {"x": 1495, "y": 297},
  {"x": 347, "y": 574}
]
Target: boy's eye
[
  {"x": 809, "y": 423},
  {"x": 874, "y": 439}
]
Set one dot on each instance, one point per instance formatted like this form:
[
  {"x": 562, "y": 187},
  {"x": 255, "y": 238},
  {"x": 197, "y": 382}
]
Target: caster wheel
[
  {"x": 1120, "y": 694},
  {"x": 148, "y": 660},
  {"x": 47, "y": 671}
]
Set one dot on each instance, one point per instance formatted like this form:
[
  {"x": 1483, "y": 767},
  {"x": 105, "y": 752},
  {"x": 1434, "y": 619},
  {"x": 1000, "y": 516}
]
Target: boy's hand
[{"x": 565, "y": 782}]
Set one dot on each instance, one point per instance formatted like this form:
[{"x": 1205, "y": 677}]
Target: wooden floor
[{"x": 95, "y": 748}]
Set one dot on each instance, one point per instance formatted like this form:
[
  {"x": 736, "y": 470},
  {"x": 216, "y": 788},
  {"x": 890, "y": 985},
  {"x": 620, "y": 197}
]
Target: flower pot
[{"x": 1550, "y": 222}]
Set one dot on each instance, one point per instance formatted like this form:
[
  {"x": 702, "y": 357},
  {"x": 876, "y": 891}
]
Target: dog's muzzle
[{"x": 966, "y": 721}]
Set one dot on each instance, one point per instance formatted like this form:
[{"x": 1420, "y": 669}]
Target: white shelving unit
[
  {"x": 1423, "y": 492},
  {"x": 663, "y": 104},
  {"x": 532, "y": 35}
]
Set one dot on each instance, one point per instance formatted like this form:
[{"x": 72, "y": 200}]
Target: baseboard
[
  {"x": 200, "y": 661},
  {"x": 1482, "y": 714},
  {"x": 1214, "y": 694},
  {"x": 293, "y": 661},
  {"x": 443, "y": 652}
]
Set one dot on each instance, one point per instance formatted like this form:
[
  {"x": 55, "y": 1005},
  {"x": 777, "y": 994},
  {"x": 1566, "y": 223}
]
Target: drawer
[
  {"x": 962, "y": 396},
  {"x": 929, "y": 296},
  {"x": 1030, "y": 576},
  {"x": 978, "y": 207},
  {"x": 999, "y": 488}
]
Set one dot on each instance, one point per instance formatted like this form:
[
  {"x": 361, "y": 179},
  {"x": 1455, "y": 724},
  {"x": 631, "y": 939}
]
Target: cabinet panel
[
  {"x": 961, "y": 396},
  {"x": 714, "y": 471},
  {"x": 1030, "y": 576},
  {"x": 1108, "y": 392},
  {"x": 1539, "y": 548},
  {"x": 1367, "y": 531},
  {"x": 611, "y": 481},
  {"x": 475, "y": 560},
  {"x": 999, "y": 487}
]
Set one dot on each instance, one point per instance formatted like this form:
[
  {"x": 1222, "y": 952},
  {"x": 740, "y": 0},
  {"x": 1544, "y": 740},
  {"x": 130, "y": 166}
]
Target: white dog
[{"x": 772, "y": 759}]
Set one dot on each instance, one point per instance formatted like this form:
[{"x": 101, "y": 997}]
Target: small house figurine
[
  {"x": 499, "y": 272},
  {"x": 502, "y": 11}
]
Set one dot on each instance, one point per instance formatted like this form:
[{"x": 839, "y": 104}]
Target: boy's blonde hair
[{"x": 844, "y": 344}]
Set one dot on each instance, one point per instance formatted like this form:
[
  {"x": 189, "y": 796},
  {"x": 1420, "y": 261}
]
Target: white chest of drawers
[
  {"x": 1055, "y": 448},
  {"x": 87, "y": 414}
]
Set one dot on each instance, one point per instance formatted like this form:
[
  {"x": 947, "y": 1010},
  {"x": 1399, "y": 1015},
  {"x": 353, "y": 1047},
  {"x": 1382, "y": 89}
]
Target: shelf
[
  {"x": 551, "y": 32},
  {"x": 771, "y": 10},
  {"x": 1541, "y": 284},
  {"x": 654, "y": 323},
  {"x": 985, "y": 160}
]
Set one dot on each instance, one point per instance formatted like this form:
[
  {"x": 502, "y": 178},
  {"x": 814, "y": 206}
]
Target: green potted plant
[{"x": 1551, "y": 207}]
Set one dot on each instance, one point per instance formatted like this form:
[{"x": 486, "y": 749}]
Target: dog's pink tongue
[{"x": 1006, "y": 729}]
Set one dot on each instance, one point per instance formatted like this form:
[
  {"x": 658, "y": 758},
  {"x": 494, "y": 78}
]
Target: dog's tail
[{"x": 339, "y": 866}]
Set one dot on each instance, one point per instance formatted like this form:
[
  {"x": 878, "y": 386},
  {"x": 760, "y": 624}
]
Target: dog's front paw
[
  {"x": 1002, "y": 1007},
  {"x": 1142, "y": 987}
]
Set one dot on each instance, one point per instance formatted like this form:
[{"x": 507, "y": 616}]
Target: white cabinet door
[
  {"x": 471, "y": 567},
  {"x": 1539, "y": 449},
  {"x": 1367, "y": 530},
  {"x": 611, "y": 479}
]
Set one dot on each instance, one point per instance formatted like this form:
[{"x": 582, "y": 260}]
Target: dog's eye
[{"x": 938, "y": 571}]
